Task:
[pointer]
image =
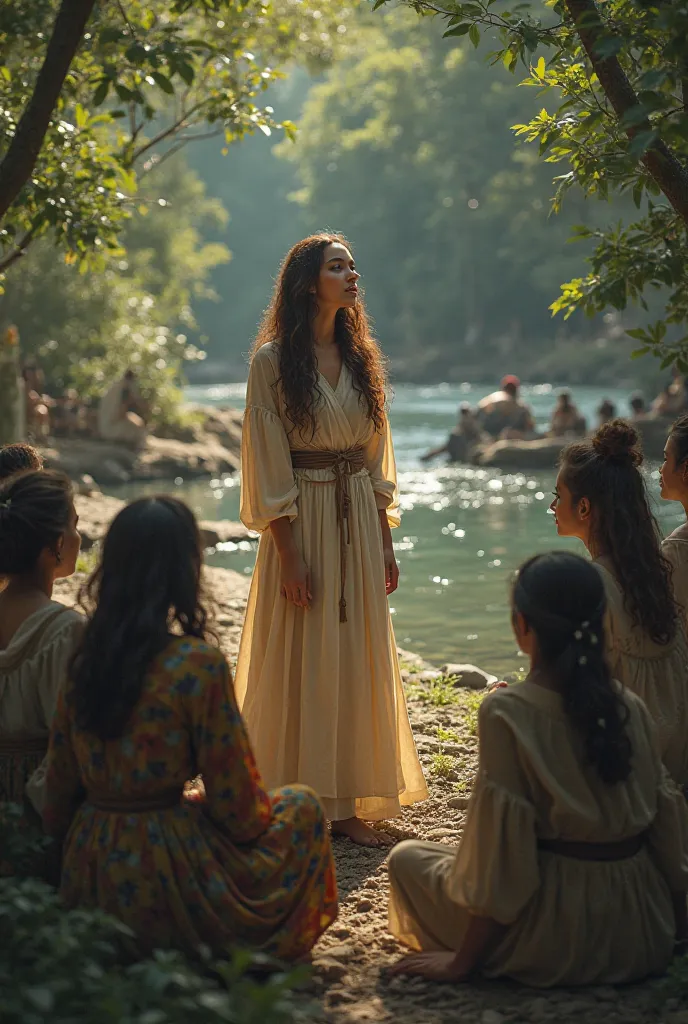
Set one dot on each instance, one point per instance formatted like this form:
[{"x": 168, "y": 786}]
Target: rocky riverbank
[
  {"x": 348, "y": 984},
  {"x": 209, "y": 444},
  {"x": 96, "y": 511}
]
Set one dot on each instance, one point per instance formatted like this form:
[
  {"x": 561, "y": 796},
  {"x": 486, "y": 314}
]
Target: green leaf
[
  {"x": 378, "y": 3},
  {"x": 163, "y": 82},
  {"x": 186, "y": 72},
  {"x": 638, "y": 333},
  {"x": 474, "y": 35},
  {"x": 639, "y": 352},
  {"x": 459, "y": 30},
  {"x": 100, "y": 95},
  {"x": 541, "y": 68}
]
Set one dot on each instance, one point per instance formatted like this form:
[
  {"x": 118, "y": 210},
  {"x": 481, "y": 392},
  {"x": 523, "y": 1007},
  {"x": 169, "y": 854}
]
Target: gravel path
[{"x": 348, "y": 984}]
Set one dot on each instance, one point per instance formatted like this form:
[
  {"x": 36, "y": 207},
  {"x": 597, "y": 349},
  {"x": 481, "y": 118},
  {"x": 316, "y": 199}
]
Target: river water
[{"x": 464, "y": 530}]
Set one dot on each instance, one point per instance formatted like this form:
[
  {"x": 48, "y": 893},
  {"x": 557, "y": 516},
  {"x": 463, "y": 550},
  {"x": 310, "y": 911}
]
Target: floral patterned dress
[{"x": 241, "y": 866}]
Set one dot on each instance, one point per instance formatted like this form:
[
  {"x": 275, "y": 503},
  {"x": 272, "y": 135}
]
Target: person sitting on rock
[
  {"x": 503, "y": 414},
  {"x": 462, "y": 439},
  {"x": 639, "y": 411},
  {"x": 148, "y": 706},
  {"x": 17, "y": 458},
  {"x": 122, "y": 412},
  {"x": 39, "y": 544},
  {"x": 566, "y": 419},
  {"x": 574, "y": 829},
  {"x": 606, "y": 412}
]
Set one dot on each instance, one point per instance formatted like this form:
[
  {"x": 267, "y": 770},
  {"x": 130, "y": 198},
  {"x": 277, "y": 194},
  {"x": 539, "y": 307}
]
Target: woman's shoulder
[
  {"x": 267, "y": 356},
  {"x": 192, "y": 654}
]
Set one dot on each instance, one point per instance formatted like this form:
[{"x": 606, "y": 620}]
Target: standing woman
[
  {"x": 318, "y": 677},
  {"x": 674, "y": 481},
  {"x": 601, "y": 499}
]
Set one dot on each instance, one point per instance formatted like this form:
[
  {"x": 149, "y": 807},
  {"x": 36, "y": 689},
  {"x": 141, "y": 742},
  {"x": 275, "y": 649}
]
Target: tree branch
[
  {"x": 660, "y": 161},
  {"x": 22, "y": 153},
  {"x": 18, "y": 251},
  {"x": 165, "y": 133}
]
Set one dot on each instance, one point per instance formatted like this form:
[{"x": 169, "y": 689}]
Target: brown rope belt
[
  {"x": 162, "y": 801},
  {"x": 343, "y": 465},
  {"x": 622, "y": 850}
]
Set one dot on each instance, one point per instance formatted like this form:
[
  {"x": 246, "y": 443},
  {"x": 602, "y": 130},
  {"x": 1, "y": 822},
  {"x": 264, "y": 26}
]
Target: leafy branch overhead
[
  {"x": 615, "y": 77},
  {"x": 103, "y": 97}
]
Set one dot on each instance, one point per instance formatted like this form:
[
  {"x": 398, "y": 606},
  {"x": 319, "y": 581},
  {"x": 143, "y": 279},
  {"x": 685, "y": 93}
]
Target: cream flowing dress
[
  {"x": 675, "y": 549},
  {"x": 658, "y": 673},
  {"x": 323, "y": 700},
  {"x": 568, "y": 921}
]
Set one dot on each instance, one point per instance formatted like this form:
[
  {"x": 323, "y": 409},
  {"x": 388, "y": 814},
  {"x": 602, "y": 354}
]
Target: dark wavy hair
[
  {"x": 35, "y": 510},
  {"x": 288, "y": 320},
  {"x": 605, "y": 469},
  {"x": 562, "y": 598},
  {"x": 678, "y": 435},
  {"x": 17, "y": 458},
  {"x": 145, "y": 589}
]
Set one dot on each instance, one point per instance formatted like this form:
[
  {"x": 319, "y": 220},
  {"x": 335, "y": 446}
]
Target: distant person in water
[
  {"x": 606, "y": 412},
  {"x": 17, "y": 458},
  {"x": 122, "y": 412},
  {"x": 463, "y": 437},
  {"x": 638, "y": 408},
  {"x": 566, "y": 419},
  {"x": 503, "y": 414},
  {"x": 671, "y": 401}
]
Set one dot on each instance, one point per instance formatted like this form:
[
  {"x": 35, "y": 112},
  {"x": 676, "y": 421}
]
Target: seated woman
[
  {"x": 150, "y": 704},
  {"x": 573, "y": 864},
  {"x": 39, "y": 543},
  {"x": 674, "y": 483},
  {"x": 566, "y": 418},
  {"x": 601, "y": 499}
]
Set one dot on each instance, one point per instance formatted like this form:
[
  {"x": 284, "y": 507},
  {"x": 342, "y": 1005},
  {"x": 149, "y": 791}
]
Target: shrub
[{"x": 62, "y": 966}]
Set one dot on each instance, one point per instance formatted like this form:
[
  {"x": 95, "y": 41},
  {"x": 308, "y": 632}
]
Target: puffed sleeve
[
  {"x": 268, "y": 485},
  {"x": 676, "y": 553},
  {"x": 236, "y": 798},
  {"x": 64, "y": 789},
  {"x": 381, "y": 464},
  {"x": 496, "y": 871},
  {"x": 51, "y": 672}
]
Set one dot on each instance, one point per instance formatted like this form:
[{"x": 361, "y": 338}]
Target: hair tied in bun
[{"x": 619, "y": 442}]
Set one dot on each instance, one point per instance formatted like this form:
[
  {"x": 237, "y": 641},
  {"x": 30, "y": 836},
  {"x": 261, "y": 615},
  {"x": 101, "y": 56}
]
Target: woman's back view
[{"x": 145, "y": 711}]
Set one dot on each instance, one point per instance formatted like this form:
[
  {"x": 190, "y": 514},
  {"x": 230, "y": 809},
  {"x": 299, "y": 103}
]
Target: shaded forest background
[{"x": 404, "y": 144}]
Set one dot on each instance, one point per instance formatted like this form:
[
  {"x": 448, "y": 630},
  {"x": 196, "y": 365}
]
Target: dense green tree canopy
[
  {"x": 615, "y": 78},
  {"x": 147, "y": 77}
]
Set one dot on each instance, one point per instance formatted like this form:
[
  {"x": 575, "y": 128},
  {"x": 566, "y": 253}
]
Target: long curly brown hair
[
  {"x": 605, "y": 469},
  {"x": 288, "y": 321}
]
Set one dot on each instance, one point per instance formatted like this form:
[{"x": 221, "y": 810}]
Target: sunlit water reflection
[{"x": 464, "y": 530}]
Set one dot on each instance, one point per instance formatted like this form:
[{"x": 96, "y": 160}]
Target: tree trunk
[
  {"x": 22, "y": 153},
  {"x": 660, "y": 161}
]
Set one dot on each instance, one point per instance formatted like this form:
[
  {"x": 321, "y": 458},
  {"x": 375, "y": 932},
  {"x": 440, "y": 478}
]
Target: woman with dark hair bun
[
  {"x": 17, "y": 458},
  {"x": 39, "y": 544},
  {"x": 149, "y": 706},
  {"x": 318, "y": 676},
  {"x": 573, "y": 864},
  {"x": 674, "y": 481},
  {"x": 601, "y": 498}
]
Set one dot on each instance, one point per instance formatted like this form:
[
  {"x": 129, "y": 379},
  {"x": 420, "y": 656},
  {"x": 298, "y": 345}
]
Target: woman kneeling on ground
[
  {"x": 602, "y": 500},
  {"x": 39, "y": 544},
  {"x": 150, "y": 705},
  {"x": 573, "y": 866}
]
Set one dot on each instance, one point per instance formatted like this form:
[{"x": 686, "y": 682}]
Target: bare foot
[{"x": 361, "y": 833}]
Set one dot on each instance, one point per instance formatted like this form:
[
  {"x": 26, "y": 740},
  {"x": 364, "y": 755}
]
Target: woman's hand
[
  {"x": 432, "y": 966},
  {"x": 391, "y": 571},
  {"x": 295, "y": 579}
]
